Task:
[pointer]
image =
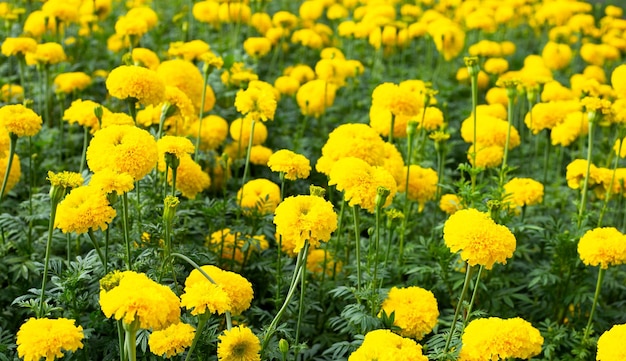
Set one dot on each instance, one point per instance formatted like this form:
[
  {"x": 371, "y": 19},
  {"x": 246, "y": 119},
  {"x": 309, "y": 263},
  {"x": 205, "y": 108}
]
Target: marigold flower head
[
  {"x": 175, "y": 146},
  {"x": 487, "y": 156},
  {"x": 257, "y": 47},
  {"x": 64, "y": 181},
  {"x": 496, "y": 66},
  {"x": 359, "y": 181},
  {"x": 19, "y": 120},
  {"x": 450, "y": 203},
  {"x": 305, "y": 218},
  {"x": 43, "y": 337},
  {"x": 617, "y": 81},
  {"x": 548, "y": 115},
  {"x": 83, "y": 113},
  {"x": 177, "y": 102},
  {"x": 260, "y": 155},
  {"x": 573, "y": 126},
  {"x": 230, "y": 292},
  {"x": 70, "y": 82},
  {"x": 238, "y": 344},
  {"x": 422, "y": 184},
  {"x": 111, "y": 118},
  {"x": 415, "y": 310},
  {"x": 172, "y": 340},
  {"x": 190, "y": 50},
  {"x": 495, "y": 338},
  {"x": 11, "y": 93},
  {"x": 259, "y": 195},
  {"x": 212, "y": 133},
  {"x": 62, "y": 10},
  {"x": 18, "y": 46},
  {"x": 206, "y": 11},
  {"x": 287, "y": 85},
  {"x": 238, "y": 75},
  {"x": 46, "y": 53},
  {"x": 293, "y": 165},
  {"x": 611, "y": 344},
  {"x": 576, "y": 172},
  {"x": 315, "y": 96},
  {"x": 190, "y": 178},
  {"x": 384, "y": 345},
  {"x": 183, "y": 75},
  {"x": 448, "y": 36},
  {"x": 135, "y": 82},
  {"x": 138, "y": 300},
  {"x": 124, "y": 149},
  {"x": 110, "y": 181},
  {"x": 256, "y": 103},
  {"x": 84, "y": 208},
  {"x": 604, "y": 246},
  {"x": 490, "y": 130},
  {"x": 556, "y": 56},
  {"x": 321, "y": 261},
  {"x": 240, "y": 131},
  {"x": 521, "y": 192},
  {"x": 235, "y": 246},
  {"x": 14, "y": 173},
  {"x": 480, "y": 240},
  {"x": 145, "y": 57}
]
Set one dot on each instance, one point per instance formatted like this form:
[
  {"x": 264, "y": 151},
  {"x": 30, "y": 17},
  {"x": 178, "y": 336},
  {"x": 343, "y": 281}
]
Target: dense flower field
[{"x": 312, "y": 180}]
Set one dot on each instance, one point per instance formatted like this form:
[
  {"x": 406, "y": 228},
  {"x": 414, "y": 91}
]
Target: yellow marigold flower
[
  {"x": 604, "y": 246},
  {"x": 400, "y": 101},
  {"x": 37, "y": 24},
  {"x": 110, "y": 181},
  {"x": 232, "y": 244},
  {"x": 11, "y": 93},
  {"x": 450, "y": 203},
  {"x": 19, "y": 120},
  {"x": 260, "y": 155},
  {"x": 201, "y": 297},
  {"x": 480, "y": 240},
  {"x": 84, "y": 208},
  {"x": 139, "y": 300},
  {"x": 315, "y": 96},
  {"x": 206, "y": 11},
  {"x": 429, "y": 119},
  {"x": 190, "y": 178},
  {"x": 259, "y": 195},
  {"x": 495, "y": 338},
  {"x": 257, "y": 47},
  {"x": 496, "y": 66},
  {"x": 448, "y": 36},
  {"x": 145, "y": 57},
  {"x": 305, "y": 218},
  {"x": 235, "y": 13},
  {"x": 487, "y": 156},
  {"x": 238, "y": 289},
  {"x": 185, "y": 76},
  {"x": 71, "y": 82},
  {"x": 137, "y": 83},
  {"x": 43, "y": 337},
  {"x": 189, "y": 51},
  {"x": 415, "y": 310},
  {"x": 521, "y": 192},
  {"x": 175, "y": 146},
  {"x": 422, "y": 184},
  {"x": 394, "y": 163},
  {"x": 293, "y": 165},
  {"x": 213, "y": 132},
  {"x": 489, "y": 131},
  {"x": 556, "y": 56},
  {"x": 65, "y": 179},
  {"x": 124, "y": 149},
  {"x": 18, "y": 46},
  {"x": 14, "y": 173},
  {"x": 238, "y": 344},
  {"x": 548, "y": 115},
  {"x": 177, "y": 102},
  {"x": 321, "y": 261},
  {"x": 360, "y": 181},
  {"x": 46, "y": 53},
  {"x": 256, "y": 104},
  {"x": 611, "y": 344},
  {"x": 351, "y": 140},
  {"x": 171, "y": 341},
  {"x": 617, "y": 82},
  {"x": 384, "y": 345},
  {"x": 61, "y": 10},
  {"x": 301, "y": 72},
  {"x": 497, "y": 95},
  {"x": 240, "y": 131},
  {"x": 238, "y": 75},
  {"x": 110, "y": 119},
  {"x": 83, "y": 113},
  {"x": 287, "y": 85},
  {"x": 554, "y": 91},
  {"x": 577, "y": 170}
]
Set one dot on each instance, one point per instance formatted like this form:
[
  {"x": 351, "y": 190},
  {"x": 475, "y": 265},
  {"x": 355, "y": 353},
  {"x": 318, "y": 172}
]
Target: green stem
[
  {"x": 474, "y": 85},
  {"x": 164, "y": 110},
  {"x": 301, "y": 303},
  {"x": 583, "y": 201},
  {"x": 471, "y": 304},
  {"x": 468, "y": 276},
  {"x": 129, "y": 265},
  {"x": 609, "y": 189},
  {"x": 132, "y": 107},
  {"x": 357, "y": 239},
  {"x": 391, "y": 129},
  {"x": 12, "y": 146},
  {"x": 202, "y": 320},
  {"x": 84, "y": 153},
  {"x": 207, "y": 72},
  {"x": 506, "y": 143},
  {"x": 53, "y": 212},
  {"x": 131, "y": 340},
  {"x": 339, "y": 233},
  {"x": 94, "y": 241},
  {"x": 247, "y": 163},
  {"x": 376, "y": 245},
  {"x": 601, "y": 272},
  {"x": 174, "y": 181}
]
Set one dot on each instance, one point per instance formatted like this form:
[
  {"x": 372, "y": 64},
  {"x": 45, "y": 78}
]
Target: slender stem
[
  {"x": 468, "y": 276},
  {"x": 474, "y": 85},
  {"x": 471, "y": 304},
  {"x": 247, "y": 163},
  {"x": 162, "y": 117},
  {"x": 120, "y": 339},
  {"x": 94, "y": 241},
  {"x": 583, "y": 201},
  {"x": 409, "y": 155},
  {"x": 391, "y": 129},
  {"x": 506, "y": 143},
  {"x": 84, "y": 153},
  {"x": 202, "y": 320},
  {"x": 12, "y": 146},
  {"x": 339, "y": 233},
  {"x": 46, "y": 85},
  {"x": 174, "y": 180},
  {"x": 21, "y": 61},
  {"x": 357, "y": 239},
  {"x": 301, "y": 303},
  {"x": 207, "y": 71},
  {"x": 376, "y": 245},
  {"x": 601, "y": 272},
  {"x": 609, "y": 189},
  {"x": 131, "y": 341},
  {"x": 129, "y": 265},
  {"x": 53, "y": 212}
]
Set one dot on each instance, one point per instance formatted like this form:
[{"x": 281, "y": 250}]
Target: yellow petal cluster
[
  {"x": 259, "y": 195},
  {"x": 415, "y": 310},
  {"x": 19, "y": 120},
  {"x": 172, "y": 340},
  {"x": 293, "y": 165},
  {"x": 238, "y": 344},
  {"x": 384, "y": 345},
  {"x": 605, "y": 246},
  {"x": 47, "y": 338},
  {"x": 84, "y": 208},
  {"x": 137, "y": 83},
  {"x": 611, "y": 344}
]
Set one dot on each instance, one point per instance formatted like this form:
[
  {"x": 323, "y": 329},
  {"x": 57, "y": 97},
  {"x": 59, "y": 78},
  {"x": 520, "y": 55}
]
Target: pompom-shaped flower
[
  {"x": 500, "y": 339},
  {"x": 521, "y": 192},
  {"x": 576, "y": 171},
  {"x": 172, "y": 340},
  {"x": 190, "y": 178},
  {"x": 604, "y": 246},
  {"x": 556, "y": 56},
  {"x": 70, "y": 82},
  {"x": 415, "y": 310},
  {"x": 110, "y": 181},
  {"x": 260, "y": 195},
  {"x": 185, "y": 76},
  {"x": 240, "y": 131},
  {"x": 238, "y": 344},
  {"x": 18, "y": 46},
  {"x": 256, "y": 103},
  {"x": 293, "y": 165},
  {"x": 173, "y": 146},
  {"x": 46, "y": 53},
  {"x": 237, "y": 291},
  {"x": 43, "y": 337},
  {"x": 212, "y": 133},
  {"x": 303, "y": 218},
  {"x": 611, "y": 344},
  {"x": 320, "y": 261},
  {"x": 617, "y": 80},
  {"x": 84, "y": 208},
  {"x": 315, "y": 96},
  {"x": 139, "y": 299},
  {"x": 422, "y": 184},
  {"x": 124, "y": 149},
  {"x": 384, "y": 345},
  {"x": 83, "y": 113},
  {"x": 450, "y": 203},
  {"x": 480, "y": 240},
  {"x": 232, "y": 245},
  {"x": 136, "y": 83},
  {"x": 19, "y": 120}
]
